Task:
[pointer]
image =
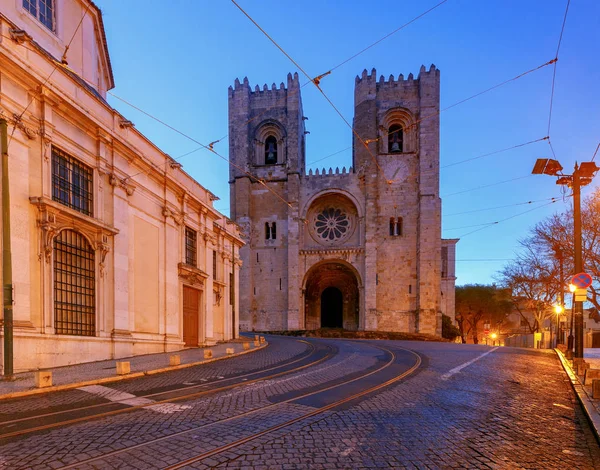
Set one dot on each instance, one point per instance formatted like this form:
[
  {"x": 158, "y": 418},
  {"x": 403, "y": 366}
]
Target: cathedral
[{"x": 357, "y": 248}]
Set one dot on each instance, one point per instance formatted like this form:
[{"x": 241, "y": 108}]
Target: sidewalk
[
  {"x": 590, "y": 406},
  {"x": 90, "y": 373}
]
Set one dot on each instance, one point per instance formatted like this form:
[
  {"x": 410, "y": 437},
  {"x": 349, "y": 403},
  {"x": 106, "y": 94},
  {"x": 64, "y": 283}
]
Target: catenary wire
[
  {"x": 315, "y": 81},
  {"x": 204, "y": 146},
  {"x": 331, "y": 70},
  {"x": 487, "y": 185},
  {"x": 500, "y": 207},
  {"x": 387, "y": 36},
  {"x": 562, "y": 30},
  {"x": 598, "y": 147},
  {"x": 508, "y": 218},
  {"x": 494, "y": 153},
  {"x": 464, "y": 101}
]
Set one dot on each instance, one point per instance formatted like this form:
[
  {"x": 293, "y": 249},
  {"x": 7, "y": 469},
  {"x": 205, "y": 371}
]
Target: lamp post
[
  {"x": 558, "y": 309},
  {"x": 582, "y": 175}
]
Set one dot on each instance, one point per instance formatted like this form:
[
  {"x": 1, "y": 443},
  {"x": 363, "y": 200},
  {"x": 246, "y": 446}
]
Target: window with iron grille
[
  {"x": 190, "y": 246},
  {"x": 74, "y": 285},
  {"x": 43, "y": 10},
  {"x": 214, "y": 264},
  {"x": 71, "y": 182}
]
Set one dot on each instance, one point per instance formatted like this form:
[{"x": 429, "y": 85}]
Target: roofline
[{"x": 111, "y": 77}]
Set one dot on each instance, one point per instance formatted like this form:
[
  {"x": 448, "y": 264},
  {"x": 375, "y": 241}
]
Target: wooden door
[{"x": 191, "y": 307}]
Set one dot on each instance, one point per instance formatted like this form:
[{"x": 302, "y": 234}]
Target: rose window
[{"x": 332, "y": 224}]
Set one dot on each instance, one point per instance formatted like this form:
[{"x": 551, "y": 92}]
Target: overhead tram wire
[
  {"x": 365, "y": 49},
  {"x": 315, "y": 81},
  {"x": 54, "y": 68},
  {"x": 387, "y": 36},
  {"x": 562, "y": 30},
  {"x": 486, "y": 186},
  {"x": 496, "y": 222},
  {"x": 501, "y": 207},
  {"x": 207, "y": 147},
  {"x": 598, "y": 147},
  {"x": 494, "y": 153},
  {"x": 464, "y": 101},
  {"x": 331, "y": 70},
  {"x": 508, "y": 218},
  {"x": 158, "y": 167}
]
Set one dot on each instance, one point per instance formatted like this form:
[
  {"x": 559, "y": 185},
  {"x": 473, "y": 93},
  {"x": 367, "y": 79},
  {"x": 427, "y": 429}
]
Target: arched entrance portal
[
  {"x": 331, "y": 296},
  {"x": 332, "y": 308}
]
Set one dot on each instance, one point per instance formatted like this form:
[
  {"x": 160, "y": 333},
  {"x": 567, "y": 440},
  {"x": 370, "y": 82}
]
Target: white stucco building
[{"x": 116, "y": 251}]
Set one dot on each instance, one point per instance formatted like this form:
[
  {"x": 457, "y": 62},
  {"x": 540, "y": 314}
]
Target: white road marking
[
  {"x": 451, "y": 372},
  {"x": 131, "y": 400}
]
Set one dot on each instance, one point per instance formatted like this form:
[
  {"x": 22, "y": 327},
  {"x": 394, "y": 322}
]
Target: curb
[
  {"x": 582, "y": 395},
  {"x": 133, "y": 375}
]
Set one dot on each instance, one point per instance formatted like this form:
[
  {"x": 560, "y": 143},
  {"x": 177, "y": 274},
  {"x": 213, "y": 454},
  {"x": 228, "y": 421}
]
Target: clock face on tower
[{"x": 398, "y": 171}]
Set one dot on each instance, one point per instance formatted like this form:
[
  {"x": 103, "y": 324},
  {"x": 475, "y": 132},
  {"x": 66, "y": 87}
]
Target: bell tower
[
  {"x": 399, "y": 119},
  {"x": 267, "y": 155}
]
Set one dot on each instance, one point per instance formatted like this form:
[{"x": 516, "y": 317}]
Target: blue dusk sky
[{"x": 175, "y": 60}]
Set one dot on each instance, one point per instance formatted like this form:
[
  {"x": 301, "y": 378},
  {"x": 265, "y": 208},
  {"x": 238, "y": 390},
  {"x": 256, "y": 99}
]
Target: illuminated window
[
  {"x": 71, "y": 182},
  {"x": 74, "y": 285},
  {"x": 271, "y": 150},
  {"x": 190, "y": 246},
  {"x": 43, "y": 10}
]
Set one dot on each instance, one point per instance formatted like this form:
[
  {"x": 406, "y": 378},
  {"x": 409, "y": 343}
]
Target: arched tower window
[
  {"x": 270, "y": 231},
  {"x": 74, "y": 285},
  {"x": 395, "y": 226},
  {"x": 271, "y": 150},
  {"x": 395, "y": 138}
]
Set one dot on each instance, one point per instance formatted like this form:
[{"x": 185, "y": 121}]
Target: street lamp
[
  {"x": 558, "y": 309},
  {"x": 581, "y": 176}
]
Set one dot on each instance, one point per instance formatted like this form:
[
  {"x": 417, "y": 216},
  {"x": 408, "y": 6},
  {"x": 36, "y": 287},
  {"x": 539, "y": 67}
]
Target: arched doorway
[
  {"x": 331, "y": 296},
  {"x": 332, "y": 308}
]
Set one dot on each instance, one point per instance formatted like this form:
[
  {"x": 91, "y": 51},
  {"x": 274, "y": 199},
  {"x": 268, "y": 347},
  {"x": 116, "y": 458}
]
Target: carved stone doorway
[{"x": 331, "y": 296}]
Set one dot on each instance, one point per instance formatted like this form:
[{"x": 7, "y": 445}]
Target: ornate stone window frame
[
  {"x": 53, "y": 218},
  {"x": 263, "y": 131},
  {"x": 332, "y": 200},
  {"x": 403, "y": 118}
]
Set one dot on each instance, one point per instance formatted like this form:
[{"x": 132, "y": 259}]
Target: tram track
[
  {"x": 172, "y": 396},
  {"x": 199, "y": 457}
]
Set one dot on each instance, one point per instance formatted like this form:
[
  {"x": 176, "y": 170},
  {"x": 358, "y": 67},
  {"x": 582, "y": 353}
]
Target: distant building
[
  {"x": 116, "y": 251},
  {"x": 357, "y": 248}
]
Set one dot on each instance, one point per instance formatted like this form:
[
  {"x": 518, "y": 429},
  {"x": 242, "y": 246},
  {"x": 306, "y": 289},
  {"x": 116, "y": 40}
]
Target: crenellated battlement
[
  {"x": 367, "y": 78},
  {"x": 293, "y": 82},
  {"x": 331, "y": 172}
]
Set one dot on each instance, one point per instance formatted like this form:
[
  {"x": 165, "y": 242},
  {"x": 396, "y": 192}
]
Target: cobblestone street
[{"x": 447, "y": 406}]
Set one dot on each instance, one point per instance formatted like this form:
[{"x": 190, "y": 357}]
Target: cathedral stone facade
[{"x": 356, "y": 248}]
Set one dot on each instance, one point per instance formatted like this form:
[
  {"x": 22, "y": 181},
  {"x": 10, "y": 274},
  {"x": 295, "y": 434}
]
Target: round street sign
[{"x": 582, "y": 280}]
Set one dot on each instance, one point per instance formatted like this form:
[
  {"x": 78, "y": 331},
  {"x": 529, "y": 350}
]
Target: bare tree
[
  {"x": 543, "y": 269},
  {"x": 475, "y": 302}
]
